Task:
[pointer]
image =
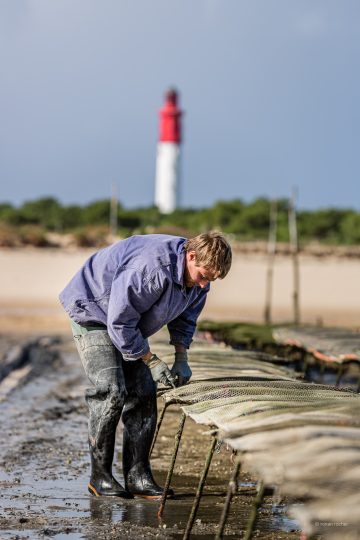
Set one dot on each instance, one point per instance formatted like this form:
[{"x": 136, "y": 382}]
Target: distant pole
[
  {"x": 113, "y": 210},
  {"x": 294, "y": 246},
  {"x": 271, "y": 259}
]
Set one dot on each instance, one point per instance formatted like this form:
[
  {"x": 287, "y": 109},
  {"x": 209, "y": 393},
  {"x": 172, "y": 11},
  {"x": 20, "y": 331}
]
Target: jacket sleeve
[
  {"x": 182, "y": 328},
  {"x": 131, "y": 295}
]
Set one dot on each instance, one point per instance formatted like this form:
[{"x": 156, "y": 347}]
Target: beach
[
  {"x": 42, "y": 394},
  {"x": 31, "y": 280}
]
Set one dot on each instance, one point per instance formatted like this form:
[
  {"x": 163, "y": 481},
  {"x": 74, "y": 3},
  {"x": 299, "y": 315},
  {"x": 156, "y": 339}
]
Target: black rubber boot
[
  {"x": 103, "y": 421},
  {"x": 140, "y": 483},
  {"x": 102, "y": 483},
  {"x": 139, "y": 419},
  {"x": 102, "y": 363}
]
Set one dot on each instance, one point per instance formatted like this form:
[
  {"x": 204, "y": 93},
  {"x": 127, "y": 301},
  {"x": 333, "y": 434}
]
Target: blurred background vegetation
[{"x": 38, "y": 222}]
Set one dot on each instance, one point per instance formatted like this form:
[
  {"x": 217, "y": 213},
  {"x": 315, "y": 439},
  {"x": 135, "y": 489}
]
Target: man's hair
[{"x": 212, "y": 251}]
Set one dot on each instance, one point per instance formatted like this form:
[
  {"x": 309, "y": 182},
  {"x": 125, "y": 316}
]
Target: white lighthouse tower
[{"x": 168, "y": 154}]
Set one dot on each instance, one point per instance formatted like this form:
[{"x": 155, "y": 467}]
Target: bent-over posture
[{"x": 122, "y": 295}]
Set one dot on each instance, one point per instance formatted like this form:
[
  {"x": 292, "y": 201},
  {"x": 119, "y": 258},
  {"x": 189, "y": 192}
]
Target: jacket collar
[{"x": 179, "y": 268}]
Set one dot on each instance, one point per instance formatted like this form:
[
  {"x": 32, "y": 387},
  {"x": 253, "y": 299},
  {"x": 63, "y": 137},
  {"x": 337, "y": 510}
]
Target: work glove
[
  {"x": 160, "y": 371},
  {"x": 181, "y": 370}
]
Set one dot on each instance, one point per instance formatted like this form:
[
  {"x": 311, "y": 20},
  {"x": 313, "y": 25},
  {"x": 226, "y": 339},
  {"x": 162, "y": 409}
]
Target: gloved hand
[
  {"x": 181, "y": 370},
  {"x": 160, "y": 371}
]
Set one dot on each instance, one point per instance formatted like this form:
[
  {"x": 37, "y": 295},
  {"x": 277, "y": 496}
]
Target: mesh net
[
  {"x": 292, "y": 415},
  {"x": 331, "y": 519},
  {"x": 228, "y": 418},
  {"x": 313, "y": 457},
  {"x": 251, "y": 387},
  {"x": 303, "y": 438},
  {"x": 258, "y": 388},
  {"x": 211, "y": 361},
  {"x": 333, "y": 343},
  {"x": 318, "y": 463},
  {"x": 280, "y": 440},
  {"x": 218, "y": 352}
]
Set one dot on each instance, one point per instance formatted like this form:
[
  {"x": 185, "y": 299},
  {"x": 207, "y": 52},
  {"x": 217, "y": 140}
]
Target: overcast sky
[{"x": 270, "y": 90}]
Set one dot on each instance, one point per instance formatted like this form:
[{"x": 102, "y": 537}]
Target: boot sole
[
  {"x": 153, "y": 497},
  {"x": 93, "y": 491}
]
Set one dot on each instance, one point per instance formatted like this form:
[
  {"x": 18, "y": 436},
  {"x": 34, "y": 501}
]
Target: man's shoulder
[
  {"x": 152, "y": 254},
  {"x": 157, "y": 247},
  {"x": 157, "y": 240}
]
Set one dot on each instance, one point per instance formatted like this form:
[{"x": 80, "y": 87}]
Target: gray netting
[
  {"x": 333, "y": 517},
  {"x": 216, "y": 352},
  {"x": 304, "y": 461},
  {"x": 303, "y": 438},
  {"x": 318, "y": 463},
  {"x": 208, "y": 362},
  {"x": 334, "y": 343},
  {"x": 280, "y": 440},
  {"x": 228, "y": 418},
  {"x": 246, "y": 388},
  {"x": 292, "y": 415},
  {"x": 224, "y": 402}
]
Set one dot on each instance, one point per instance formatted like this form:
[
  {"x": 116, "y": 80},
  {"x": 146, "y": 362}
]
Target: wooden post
[
  {"x": 113, "y": 211},
  {"x": 254, "y": 511},
  {"x": 271, "y": 260},
  {"x": 199, "y": 491},
  {"x": 294, "y": 245},
  {"x": 232, "y": 489},
  {"x": 158, "y": 426},
  {"x": 172, "y": 465}
]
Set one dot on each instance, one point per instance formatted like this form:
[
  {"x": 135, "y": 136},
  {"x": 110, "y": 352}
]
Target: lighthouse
[{"x": 168, "y": 154}]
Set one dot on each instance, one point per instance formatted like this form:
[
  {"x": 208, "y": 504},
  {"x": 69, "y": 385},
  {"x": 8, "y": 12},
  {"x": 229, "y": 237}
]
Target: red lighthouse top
[{"x": 170, "y": 118}]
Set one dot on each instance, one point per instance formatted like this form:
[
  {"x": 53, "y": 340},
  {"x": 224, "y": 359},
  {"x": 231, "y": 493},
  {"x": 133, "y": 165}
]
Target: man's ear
[{"x": 192, "y": 255}]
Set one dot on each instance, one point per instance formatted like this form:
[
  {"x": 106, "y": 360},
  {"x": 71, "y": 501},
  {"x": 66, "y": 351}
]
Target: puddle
[
  {"x": 44, "y": 468},
  {"x": 67, "y": 536},
  {"x": 283, "y": 521}
]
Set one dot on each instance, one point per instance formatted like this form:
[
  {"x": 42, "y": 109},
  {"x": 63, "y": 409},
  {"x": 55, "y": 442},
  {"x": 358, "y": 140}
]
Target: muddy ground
[{"x": 44, "y": 465}]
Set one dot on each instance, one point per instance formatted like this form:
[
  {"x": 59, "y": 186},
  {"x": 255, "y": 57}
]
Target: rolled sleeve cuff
[
  {"x": 130, "y": 356},
  {"x": 180, "y": 339}
]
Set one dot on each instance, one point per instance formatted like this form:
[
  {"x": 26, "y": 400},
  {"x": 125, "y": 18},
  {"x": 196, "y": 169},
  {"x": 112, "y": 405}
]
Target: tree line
[{"x": 245, "y": 221}]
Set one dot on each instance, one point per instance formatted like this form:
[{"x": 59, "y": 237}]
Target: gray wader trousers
[{"x": 119, "y": 388}]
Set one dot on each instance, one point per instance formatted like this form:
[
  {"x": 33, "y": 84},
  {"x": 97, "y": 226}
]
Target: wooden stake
[
  {"x": 172, "y": 465},
  {"x": 113, "y": 211},
  {"x": 295, "y": 256},
  {"x": 199, "y": 491},
  {"x": 271, "y": 260}
]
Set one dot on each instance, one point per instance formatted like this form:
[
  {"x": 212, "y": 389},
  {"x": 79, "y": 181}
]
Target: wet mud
[{"x": 44, "y": 464}]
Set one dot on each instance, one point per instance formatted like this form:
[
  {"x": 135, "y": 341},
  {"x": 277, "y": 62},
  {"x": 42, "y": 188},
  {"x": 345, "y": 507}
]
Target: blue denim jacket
[{"x": 135, "y": 287}]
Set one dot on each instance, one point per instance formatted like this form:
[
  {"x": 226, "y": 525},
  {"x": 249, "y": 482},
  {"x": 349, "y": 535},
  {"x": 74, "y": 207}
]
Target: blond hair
[{"x": 212, "y": 251}]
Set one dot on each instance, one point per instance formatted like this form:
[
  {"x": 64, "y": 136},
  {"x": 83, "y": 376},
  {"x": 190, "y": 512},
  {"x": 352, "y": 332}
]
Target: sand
[{"x": 31, "y": 280}]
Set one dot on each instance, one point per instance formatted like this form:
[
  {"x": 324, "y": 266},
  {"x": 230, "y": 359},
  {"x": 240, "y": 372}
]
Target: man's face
[{"x": 197, "y": 275}]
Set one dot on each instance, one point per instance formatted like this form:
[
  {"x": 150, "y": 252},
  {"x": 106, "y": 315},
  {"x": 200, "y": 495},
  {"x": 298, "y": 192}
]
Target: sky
[{"x": 270, "y": 92}]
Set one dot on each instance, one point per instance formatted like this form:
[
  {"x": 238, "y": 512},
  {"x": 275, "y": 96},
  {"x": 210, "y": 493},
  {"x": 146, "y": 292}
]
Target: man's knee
[
  {"x": 138, "y": 380},
  {"x": 112, "y": 393}
]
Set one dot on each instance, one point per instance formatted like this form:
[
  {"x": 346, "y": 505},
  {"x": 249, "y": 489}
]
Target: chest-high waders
[{"x": 119, "y": 388}]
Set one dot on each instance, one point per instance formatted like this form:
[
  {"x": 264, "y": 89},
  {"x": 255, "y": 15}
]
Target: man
[{"x": 122, "y": 295}]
